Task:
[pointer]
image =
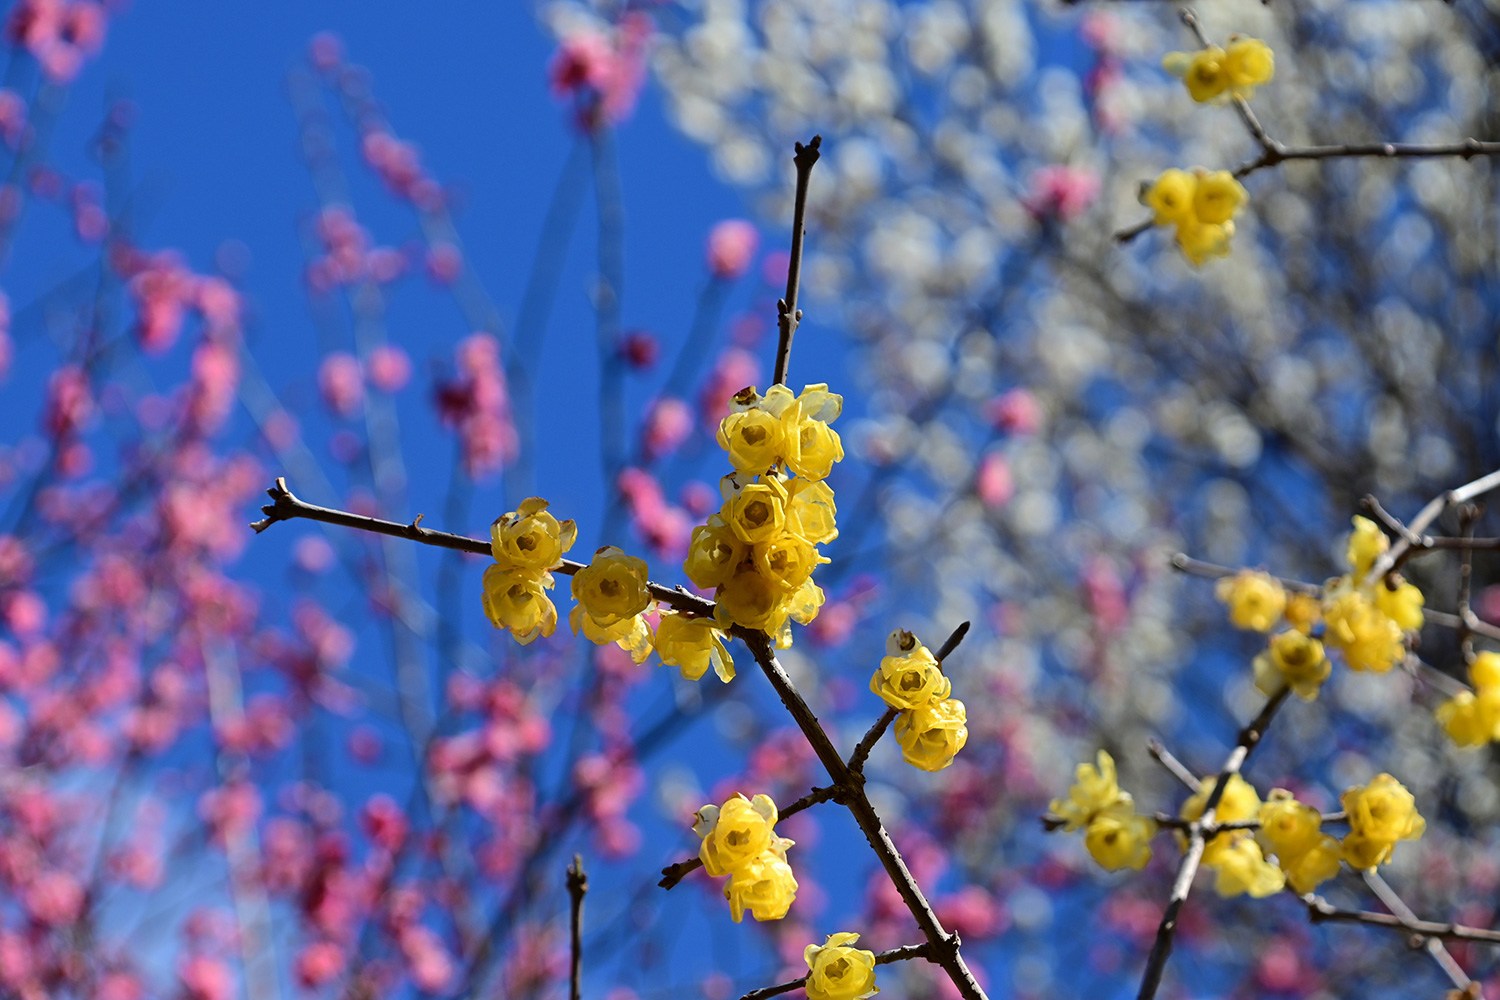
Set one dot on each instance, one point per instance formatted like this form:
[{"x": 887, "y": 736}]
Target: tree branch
[
  {"x": 578, "y": 886},
  {"x": 787, "y": 313}
]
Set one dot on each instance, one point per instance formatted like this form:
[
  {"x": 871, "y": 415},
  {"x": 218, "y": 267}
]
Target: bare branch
[
  {"x": 787, "y": 313},
  {"x": 578, "y": 886}
]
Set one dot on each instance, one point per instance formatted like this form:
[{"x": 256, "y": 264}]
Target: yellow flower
[
  {"x": 1288, "y": 828},
  {"x": 787, "y": 560},
  {"x": 631, "y": 634},
  {"x": 1217, "y": 197},
  {"x": 1170, "y": 197},
  {"x": 1095, "y": 788},
  {"x": 1249, "y": 63},
  {"x": 1199, "y": 241},
  {"x": 757, "y": 512},
  {"x": 1380, "y": 814},
  {"x": 735, "y": 833},
  {"x": 1239, "y": 802},
  {"x": 932, "y": 735},
  {"x": 612, "y": 587},
  {"x": 1314, "y": 866},
  {"x": 747, "y": 598},
  {"x": 1368, "y": 638},
  {"x": 1402, "y": 605},
  {"x": 1255, "y": 600},
  {"x": 692, "y": 645},
  {"x": 811, "y": 511},
  {"x": 516, "y": 600},
  {"x": 1118, "y": 837},
  {"x": 1367, "y": 544},
  {"x": 1484, "y": 672},
  {"x": 1462, "y": 720},
  {"x": 1203, "y": 71},
  {"x": 1303, "y": 611},
  {"x": 713, "y": 553},
  {"x": 529, "y": 538},
  {"x": 1241, "y": 869},
  {"x": 803, "y": 604},
  {"x": 755, "y": 439},
  {"x": 837, "y": 971},
  {"x": 910, "y": 680},
  {"x": 1292, "y": 659},
  {"x": 819, "y": 404},
  {"x": 764, "y": 885},
  {"x": 818, "y": 449}
]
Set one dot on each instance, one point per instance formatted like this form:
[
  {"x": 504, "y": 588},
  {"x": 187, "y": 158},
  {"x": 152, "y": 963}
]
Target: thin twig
[
  {"x": 787, "y": 313},
  {"x": 1166, "y": 931},
  {"x": 1319, "y": 910},
  {"x": 901, "y": 954},
  {"x": 287, "y": 506},
  {"x": 1184, "y": 563},
  {"x": 578, "y": 886},
  {"x": 1467, "y": 515},
  {"x": 1433, "y": 946},
  {"x": 1176, "y": 768}
]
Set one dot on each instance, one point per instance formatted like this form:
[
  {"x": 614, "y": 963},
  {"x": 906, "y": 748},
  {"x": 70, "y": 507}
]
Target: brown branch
[
  {"x": 286, "y": 506},
  {"x": 901, "y": 954},
  {"x": 578, "y": 885},
  {"x": 943, "y": 945},
  {"x": 1434, "y": 509},
  {"x": 1319, "y": 910},
  {"x": 1166, "y": 931},
  {"x": 787, "y": 313}
]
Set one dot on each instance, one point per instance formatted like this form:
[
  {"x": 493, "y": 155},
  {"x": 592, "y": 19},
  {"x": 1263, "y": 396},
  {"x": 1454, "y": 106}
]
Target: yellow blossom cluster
[
  {"x": 1366, "y": 620},
  {"x": 931, "y": 727},
  {"x": 1215, "y": 74},
  {"x": 1235, "y": 856},
  {"x": 759, "y": 551},
  {"x": 1201, "y": 204},
  {"x": 1292, "y": 832},
  {"x": 527, "y": 544},
  {"x": 1472, "y": 718},
  {"x": 838, "y": 971},
  {"x": 1114, "y": 833},
  {"x": 740, "y": 841},
  {"x": 1380, "y": 814}
]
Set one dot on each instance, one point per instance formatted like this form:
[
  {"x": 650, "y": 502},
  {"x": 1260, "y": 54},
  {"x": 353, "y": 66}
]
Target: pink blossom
[
  {"x": 384, "y": 822},
  {"x": 24, "y": 613},
  {"x": 1015, "y": 411},
  {"x": 606, "y": 72},
  {"x": 313, "y": 554},
  {"x": 119, "y": 985},
  {"x": 669, "y": 422},
  {"x": 389, "y": 368},
  {"x": 319, "y": 964},
  {"x": 326, "y": 51},
  {"x": 205, "y": 978},
  {"x": 731, "y": 247},
  {"x": 70, "y": 402},
  {"x": 54, "y": 898},
  {"x": 230, "y": 810},
  {"x": 13, "y": 124},
  {"x": 993, "y": 483},
  {"x": 429, "y": 963},
  {"x": 342, "y": 383},
  {"x": 445, "y": 263},
  {"x": 1061, "y": 192}
]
